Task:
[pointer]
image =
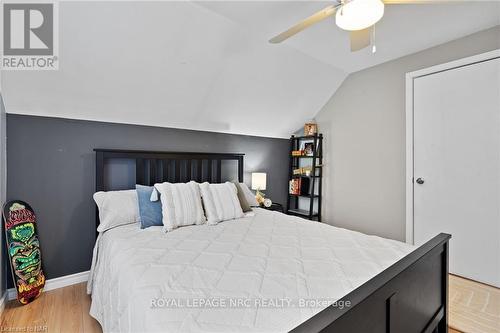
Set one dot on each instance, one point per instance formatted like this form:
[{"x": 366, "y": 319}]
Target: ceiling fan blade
[
  {"x": 313, "y": 19},
  {"x": 360, "y": 39}
]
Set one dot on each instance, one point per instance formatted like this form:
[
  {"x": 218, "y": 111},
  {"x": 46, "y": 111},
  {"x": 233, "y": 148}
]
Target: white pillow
[
  {"x": 252, "y": 201},
  {"x": 180, "y": 204},
  {"x": 116, "y": 208},
  {"x": 221, "y": 202}
]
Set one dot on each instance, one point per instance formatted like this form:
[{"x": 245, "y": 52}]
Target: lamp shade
[
  {"x": 359, "y": 14},
  {"x": 259, "y": 180}
]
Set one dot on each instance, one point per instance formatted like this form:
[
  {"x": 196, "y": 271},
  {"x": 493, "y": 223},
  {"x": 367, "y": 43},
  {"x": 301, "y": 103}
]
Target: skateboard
[{"x": 24, "y": 250}]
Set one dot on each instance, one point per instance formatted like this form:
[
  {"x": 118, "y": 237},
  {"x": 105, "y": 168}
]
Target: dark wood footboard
[{"x": 411, "y": 296}]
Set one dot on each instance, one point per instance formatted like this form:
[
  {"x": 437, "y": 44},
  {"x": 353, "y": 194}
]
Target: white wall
[
  {"x": 364, "y": 127},
  {"x": 171, "y": 64},
  {"x": 207, "y": 65}
]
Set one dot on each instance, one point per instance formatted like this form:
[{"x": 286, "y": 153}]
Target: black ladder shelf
[{"x": 315, "y": 177}]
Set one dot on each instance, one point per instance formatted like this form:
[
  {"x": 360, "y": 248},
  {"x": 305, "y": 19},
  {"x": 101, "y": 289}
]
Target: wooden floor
[
  {"x": 474, "y": 307},
  {"x": 67, "y": 310},
  {"x": 59, "y": 310},
  {"x": 451, "y": 330}
]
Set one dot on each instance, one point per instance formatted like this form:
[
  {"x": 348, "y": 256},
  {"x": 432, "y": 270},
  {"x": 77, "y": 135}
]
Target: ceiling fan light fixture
[{"x": 359, "y": 14}]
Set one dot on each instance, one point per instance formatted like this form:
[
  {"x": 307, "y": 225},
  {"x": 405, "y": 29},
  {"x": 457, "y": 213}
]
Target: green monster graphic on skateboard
[{"x": 24, "y": 250}]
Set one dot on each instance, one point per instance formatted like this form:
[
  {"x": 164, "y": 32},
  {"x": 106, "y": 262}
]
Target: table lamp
[{"x": 259, "y": 180}]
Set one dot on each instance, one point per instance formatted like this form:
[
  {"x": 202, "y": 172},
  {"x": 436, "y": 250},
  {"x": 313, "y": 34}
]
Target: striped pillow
[
  {"x": 181, "y": 204},
  {"x": 221, "y": 202}
]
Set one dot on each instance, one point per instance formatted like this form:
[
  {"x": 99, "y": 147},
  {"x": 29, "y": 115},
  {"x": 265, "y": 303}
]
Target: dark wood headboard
[{"x": 161, "y": 166}]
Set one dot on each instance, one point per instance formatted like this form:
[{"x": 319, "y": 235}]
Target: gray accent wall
[
  {"x": 364, "y": 128},
  {"x": 51, "y": 165},
  {"x": 3, "y": 188}
]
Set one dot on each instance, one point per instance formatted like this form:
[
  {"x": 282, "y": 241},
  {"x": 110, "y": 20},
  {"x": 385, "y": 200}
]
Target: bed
[{"x": 266, "y": 272}]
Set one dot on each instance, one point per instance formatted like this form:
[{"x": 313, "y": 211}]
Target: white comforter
[{"x": 147, "y": 280}]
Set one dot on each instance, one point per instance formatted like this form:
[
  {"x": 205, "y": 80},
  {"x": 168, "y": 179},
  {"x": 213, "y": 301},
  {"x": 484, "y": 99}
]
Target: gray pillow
[{"x": 241, "y": 197}]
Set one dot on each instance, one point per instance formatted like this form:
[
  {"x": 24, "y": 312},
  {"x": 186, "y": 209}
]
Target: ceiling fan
[{"x": 356, "y": 16}]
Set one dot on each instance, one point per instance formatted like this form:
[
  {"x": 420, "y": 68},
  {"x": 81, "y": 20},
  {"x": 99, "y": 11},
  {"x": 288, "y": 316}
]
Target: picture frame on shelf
[
  {"x": 310, "y": 129},
  {"x": 307, "y": 147}
]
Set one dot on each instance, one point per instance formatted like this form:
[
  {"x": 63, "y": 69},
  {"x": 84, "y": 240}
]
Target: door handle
[{"x": 420, "y": 181}]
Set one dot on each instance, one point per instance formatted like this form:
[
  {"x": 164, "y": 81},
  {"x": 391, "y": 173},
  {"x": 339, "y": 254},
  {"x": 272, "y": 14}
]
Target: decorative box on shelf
[{"x": 298, "y": 152}]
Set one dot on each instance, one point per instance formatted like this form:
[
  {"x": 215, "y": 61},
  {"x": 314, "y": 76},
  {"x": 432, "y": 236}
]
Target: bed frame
[{"x": 409, "y": 296}]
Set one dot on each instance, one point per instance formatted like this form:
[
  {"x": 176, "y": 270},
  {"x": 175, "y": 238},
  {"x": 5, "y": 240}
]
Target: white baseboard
[
  {"x": 52, "y": 284},
  {"x": 3, "y": 300}
]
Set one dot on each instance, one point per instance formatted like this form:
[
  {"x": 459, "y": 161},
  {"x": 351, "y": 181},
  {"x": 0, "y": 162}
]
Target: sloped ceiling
[{"x": 208, "y": 65}]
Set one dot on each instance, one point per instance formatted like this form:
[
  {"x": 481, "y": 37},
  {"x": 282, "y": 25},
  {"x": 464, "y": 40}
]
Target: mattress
[{"x": 263, "y": 273}]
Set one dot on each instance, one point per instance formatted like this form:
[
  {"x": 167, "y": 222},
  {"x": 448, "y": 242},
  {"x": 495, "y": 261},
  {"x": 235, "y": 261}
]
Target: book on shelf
[
  {"x": 294, "y": 186},
  {"x": 299, "y": 186}
]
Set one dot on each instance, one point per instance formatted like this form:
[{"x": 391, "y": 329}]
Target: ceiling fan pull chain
[{"x": 374, "y": 46}]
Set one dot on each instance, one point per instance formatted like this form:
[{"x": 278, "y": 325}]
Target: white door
[{"x": 457, "y": 165}]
